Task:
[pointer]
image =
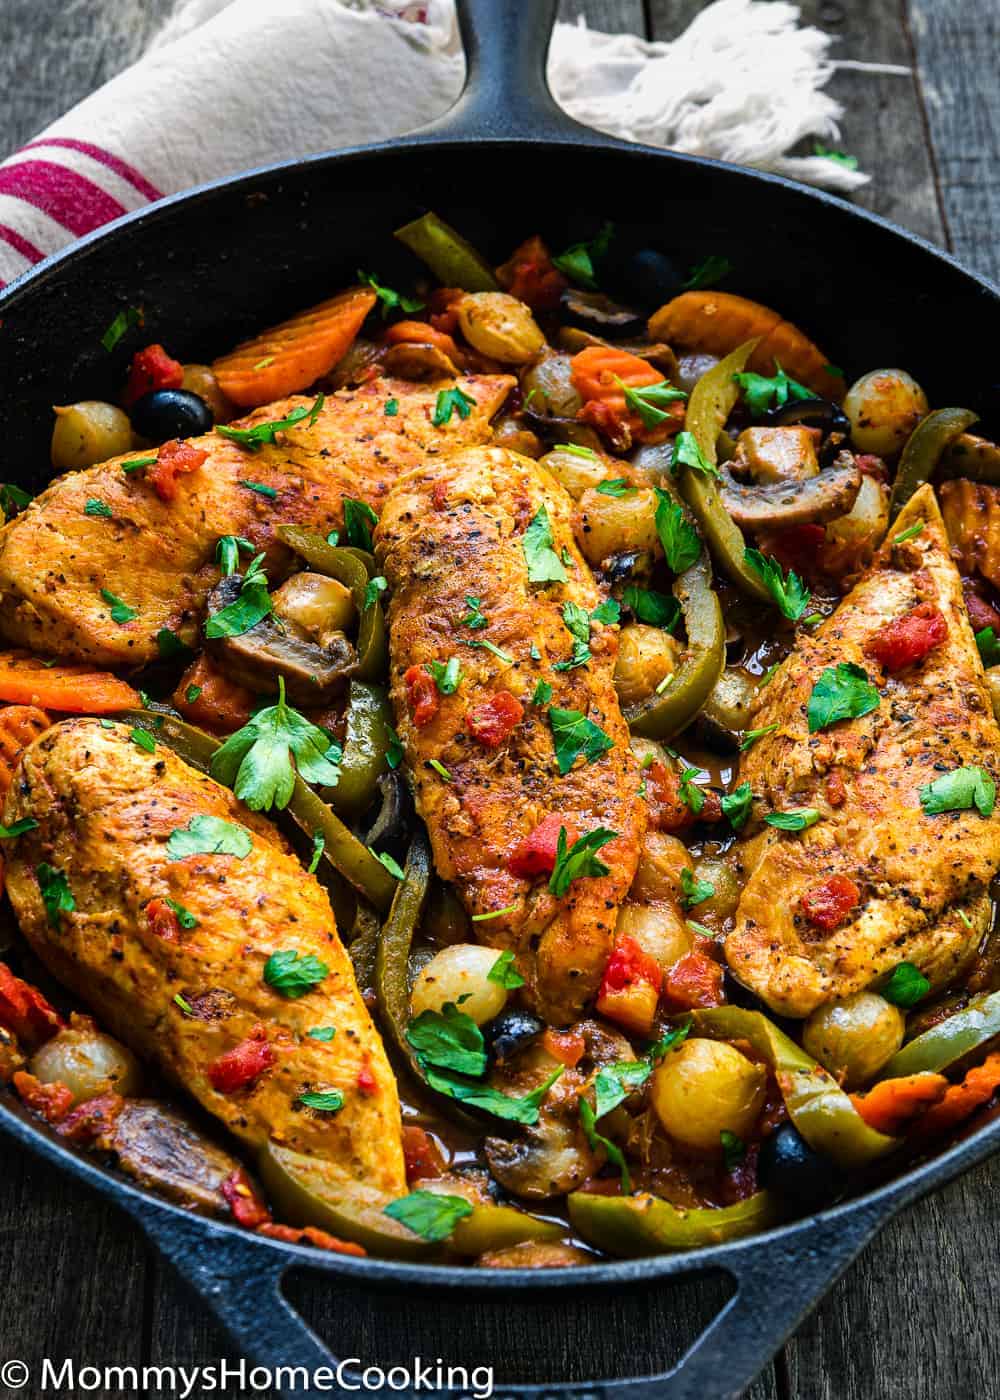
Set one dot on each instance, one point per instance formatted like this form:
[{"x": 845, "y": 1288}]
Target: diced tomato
[
  {"x": 309, "y": 1234},
  {"x": 909, "y": 638},
  {"x": 240, "y": 1066},
  {"x": 870, "y": 465},
  {"x": 421, "y": 695},
  {"x": 174, "y": 459},
  {"x": 248, "y": 1207},
  {"x": 91, "y": 1120},
  {"x": 151, "y": 369},
  {"x": 568, "y": 1047},
  {"x": 827, "y": 905},
  {"x": 442, "y": 304},
  {"x": 52, "y": 1101},
  {"x": 796, "y": 547},
  {"x": 367, "y": 1083},
  {"x": 630, "y": 987},
  {"x": 836, "y": 788},
  {"x": 495, "y": 719},
  {"x": 536, "y": 853},
  {"x": 530, "y": 275},
  {"x": 668, "y": 810},
  {"x": 163, "y": 922},
  {"x": 25, "y": 1011},
  {"x": 421, "y": 1155},
  {"x": 695, "y": 980}
]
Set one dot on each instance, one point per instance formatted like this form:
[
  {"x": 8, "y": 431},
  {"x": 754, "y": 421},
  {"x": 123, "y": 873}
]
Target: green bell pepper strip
[
  {"x": 353, "y": 568},
  {"x": 817, "y": 1105},
  {"x": 365, "y": 745},
  {"x": 661, "y": 716},
  {"x": 712, "y": 400},
  {"x": 454, "y": 261},
  {"x": 341, "y": 848},
  {"x": 923, "y": 451},
  {"x": 949, "y": 1041},
  {"x": 363, "y": 944},
  {"x": 643, "y": 1224}
]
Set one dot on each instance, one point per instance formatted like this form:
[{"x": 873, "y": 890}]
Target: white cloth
[{"x": 230, "y": 84}]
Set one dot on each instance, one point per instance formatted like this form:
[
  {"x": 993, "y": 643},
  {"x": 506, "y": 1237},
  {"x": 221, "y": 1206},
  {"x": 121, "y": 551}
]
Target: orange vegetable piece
[
  {"x": 977, "y": 1088},
  {"x": 286, "y": 359},
  {"x": 20, "y": 725},
  {"x": 423, "y": 333},
  {"x": 72, "y": 690},
  {"x": 596, "y": 370},
  {"x": 715, "y": 323},
  {"x": 890, "y": 1105},
  {"x": 219, "y": 703}
]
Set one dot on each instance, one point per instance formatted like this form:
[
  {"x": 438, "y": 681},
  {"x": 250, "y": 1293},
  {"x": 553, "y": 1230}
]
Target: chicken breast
[
  {"x": 971, "y": 512},
  {"x": 115, "y": 828},
  {"x": 455, "y": 542},
  {"x": 878, "y": 880},
  {"x": 158, "y": 556}
]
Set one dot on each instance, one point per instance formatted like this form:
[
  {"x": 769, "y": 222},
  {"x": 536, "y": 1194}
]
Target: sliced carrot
[
  {"x": 72, "y": 690},
  {"x": 890, "y": 1105},
  {"x": 977, "y": 1088},
  {"x": 596, "y": 370},
  {"x": 715, "y": 323},
  {"x": 215, "y": 702},
  {"x": 288, "y": 358}
]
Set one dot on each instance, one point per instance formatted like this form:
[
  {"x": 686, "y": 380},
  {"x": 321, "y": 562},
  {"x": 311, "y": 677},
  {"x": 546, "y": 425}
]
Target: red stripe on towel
[
  {"x": 103, "y": 157},
  {"x": 69, "y": 198},
  {"x": 20, "y": 244}
]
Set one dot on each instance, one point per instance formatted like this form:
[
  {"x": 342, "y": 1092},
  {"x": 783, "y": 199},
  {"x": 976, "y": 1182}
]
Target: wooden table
[{"x": 914, "y": 1318}]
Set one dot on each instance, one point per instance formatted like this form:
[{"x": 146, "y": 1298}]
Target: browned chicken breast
[
  {"x": 888, "y": 873},
  {"x": 159, "y": 899},
  {"x": 524, "y": 728},
  {"x": 971, "y": 513},
  {"x": 62, "y": 567}
]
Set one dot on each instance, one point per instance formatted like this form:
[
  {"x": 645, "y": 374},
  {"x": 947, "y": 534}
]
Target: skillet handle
[{"x": 506, "y": 94}]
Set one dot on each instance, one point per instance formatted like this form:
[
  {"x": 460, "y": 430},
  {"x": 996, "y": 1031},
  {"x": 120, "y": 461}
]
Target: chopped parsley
[
  {"x": 523, "y": 1110},
  {"x": 989, "y": 646},
  {"x": 293, "y": 973},
  {"x": 485, "y": 645},
  {"x": 789, "y": 593},
  {"x": 373, "y": 588},
  {"x": 393, "y": 866},
  {"x": 689, "y": 791},
  {"x": 906, "y": 986},
  {"x": 431, "y": 1216},
  {"x": 910, "y": 533},
  {"x": 574, "y": 734},
  {"x": 542, "y": 693},
  {"x": 707, "y": 273},
  {"x": 451, "y": 401},
  {"x": 18, "y": 828},
  {"x": 504, "y": 973},
  {"x": 493, "y": 914},
  {"x": 449, "y": 1039},
  {"x": 694, "y": 891},
  {"x": 737, "y": 805},
  {"x": 227, "y": 553},
  {"x": 138, "y": 464},
  {"x": 679, "y": 538},
  {"x": 98, "y": 508},
  {"x": 261, "y": 489},
  {"x": 262, "y": 433},
  {"x": 575, "y": 449},
  {"x": 323, "y": 1100},
  {"x": 439, "y": 769},
  {"x": 761, "y": 393},
  {"x": 960, "y": 791},
  {"x": 447, "y": 675},
  {"x": 120, "y": 326},
  {"x": 209, "y": 836},
  {"x": 184, "y": 916},
  {"x": 171, "y": 647},
  {"x": 656, "y": 609},
  {"x": 842, "y": 692},
  {"x": 322, "y": 1033},
  {"x": 598, "y": 1142},
  {"x": 319, "y": 846},
  {"x": 840, "y": 157},
  {"x": 687, "y": 453},
  {"x": 544, "y": 565},
  {"x": 752, "y": 735},
  {"x": 394, "y": 752},
  {"x": 389, "y": 300},
  {"x": 143, "y": 739},
  {"x": 120, "y": 612},
  {"x": 359, "y": 521},
  {"x": 391, "y": 408},
  {"x": 474, "y": 617},
  {"x": 252, "y": 605},
  {"x": 617, "y": 487},
  {"x": 259, "y": 762},
  {"x": 580, "y": 860},
  {"x": 192, "y": 693},
  {"x": 579, "y": 262},
  {"x": 645, "y": 400},
  {"x": 795, "y": 819},
  {"x": 55, "y": 891}
]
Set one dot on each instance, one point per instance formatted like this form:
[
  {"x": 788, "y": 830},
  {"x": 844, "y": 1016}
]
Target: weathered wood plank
[{"x": 957, "y": 49}]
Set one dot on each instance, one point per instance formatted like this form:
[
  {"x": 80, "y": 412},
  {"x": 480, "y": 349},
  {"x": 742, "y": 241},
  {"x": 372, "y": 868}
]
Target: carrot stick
[
  {"x": 891, "y": 1104},
  {"x": 977, "y": 1088},
  {"x": 74, "y": 690}
]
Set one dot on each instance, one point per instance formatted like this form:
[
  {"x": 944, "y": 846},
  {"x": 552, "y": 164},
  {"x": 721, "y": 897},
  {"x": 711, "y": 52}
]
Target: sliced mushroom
[
  {"x": 599, "y": 313},
  {"x": 765, "y": 455},
  {"x": 779, "y": 504},
  {"x": 414, "y": 361},
  {"x": 355, "y": 367},
  {"x": 535, "y": 1254},
  {"x": 313, "y": 674},
  {"x": 545, "y": 1161}
]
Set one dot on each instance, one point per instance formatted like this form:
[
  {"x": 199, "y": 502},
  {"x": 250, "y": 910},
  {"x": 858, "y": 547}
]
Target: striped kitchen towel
[{"x": 743, "y": 83}]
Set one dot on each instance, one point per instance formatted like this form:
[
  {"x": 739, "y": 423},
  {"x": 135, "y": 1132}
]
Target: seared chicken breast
[
  {"x": 62, "y": 568},
  {"x": 157, "y": 897},
  {"x": 884, "y": 875},
  {"x": 486, "y": 580}
]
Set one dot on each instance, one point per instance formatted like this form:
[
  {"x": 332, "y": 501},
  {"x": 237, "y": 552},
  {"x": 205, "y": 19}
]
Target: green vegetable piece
[
  {"x": 18, "y": 828},
  {"x": 646, "y": 400},
  {"x": 789, "y": 593},
  {"x": 319, "y": 844},
  {"x": 580, "y": 860},
  {"x": 842, "y": 692},
  {"x": 707, "y": 273},
  {"x": 323, "y": 1100},
  {"x": 209, "y": 836},
  {"x": 616, "y": 487},
  {"x": 227, "y": 553},
  {"x": 120, "y": 326},
  {"x": 448, "y": 1039},
  {"x": 960, "y": 791},
  {"x": 989, "y": 646},
  {"x": 679, "y": 538},
  {"x": 752, "y": 735},
  {"x": 761, "y": 393},
  {"x": 503, "y": 971},
  {"x": 687, "y": 453},
  {"x": 906, "y": 986},
  {"x": 737, "y": 805},
  {"x": 252, "y": 606},
  {"x": 359, "y": 521},
  {"x": 795, "y": 819},
  {"x": 263, "y": 433},
  {"x": 446, "y": 675},
  {"x": 184, "y": 916},
  {"x": 322, "y": 1033},
  {"x": 120, "y": 612},
  {"x": 454, "y": 261},
  {"x": 257, "y": 761},
  {"x": 948, "y": 1042},
  {"x": 656, "y": 609},
  {"x": 632, "y": 1226},
  {"x": 293, "y": 973},
  {"x": 389, "y": 300},
  {"x": 598, "y": 1142},
  {"x": 542, "y": 693},
  {"x": 97, "y": 508},
  {"x": 392, "y": 865},
  {"x": 580, "y": 261},
  {"x": 451, "y": 401},
  {"x": 431, "y": 1216},
  {"x": 143, "y": 740},
  {"x": 574, "y": 734},
  {"x": 543, "y": 563},
  {"x": 55, "y": 891},
  {"x": 523, "y": 1110},
  {"x": 694, "y": 891},
  {"x": 474, "y": 617}
]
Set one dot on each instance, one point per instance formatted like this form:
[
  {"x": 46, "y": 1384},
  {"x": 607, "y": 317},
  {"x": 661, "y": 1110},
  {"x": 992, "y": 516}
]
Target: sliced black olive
[
  {"x": 646, "y": 276},
  {"x": 171, "y": 413},
  {"x": 621, "y": 568},
  {"x": 313, "y": 675},
  {"x": 510, "y": 1033},
  {"x": 390, "y": 827},
  {"x": 793, "y": 1171},
  {"x": 599, "y": 313},
  {"x": 813, "y": 413}
]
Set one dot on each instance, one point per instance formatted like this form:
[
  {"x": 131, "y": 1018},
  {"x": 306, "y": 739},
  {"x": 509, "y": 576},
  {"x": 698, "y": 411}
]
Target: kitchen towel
[{"x": 232, "y": 84}]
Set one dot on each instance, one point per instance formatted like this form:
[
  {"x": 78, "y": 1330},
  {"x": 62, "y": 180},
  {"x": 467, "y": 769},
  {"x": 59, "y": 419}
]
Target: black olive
[
  {"x": 814, "y": 413},
  {"x": 510, "y": 1033},
  {"x": 171, "y": 413},
  {"x": 789, "y": 1167},
  {"x": 643, "y": 274}
]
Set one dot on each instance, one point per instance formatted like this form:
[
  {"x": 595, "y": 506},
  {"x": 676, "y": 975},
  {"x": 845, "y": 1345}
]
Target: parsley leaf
[
  {"x": 261, "y": 433},
  {"x": 542, "y": 693},
  {"x": 539, "y": 555},
  {"x": 18, "y": 828},
  {"x": 752, "y": 735},
  {"x": 959, "y": 791},
  {"x": 989, "y": 647},
  {"x": 431, "y": 1216},
  {"x": 184, "y": 916},
  {"x": 656, "y": 609},
  {"x": 390, "y": 300},
  {"x": 373, "y": 588},
  {"x": 910, "y": 533},
  {"x": 192, "y": 693},
  {"x": 679, "y": 538},
  {"x": 687, "y": 453},
  {"x": 616, "y": 487},
  {"x": 609, "y": 613},
  {"x": 120, "y": 612},
  {"x": 209, "y": 836},
  {"x": 122, "y": 323},
  {"x": 474, "y": 617},
  {"x": 393, "y": 866},
  {"x": 252, "y": 606},
  {"x": 574, "y": 734},
  {"x": 761, "y": 393},
  {"x": 503, "y": 971},
  {"x": 449, "y": 1039},
  {"x": 597, "y": 1141},
  {"x": 695, "y": 891},
  {"x": 841, "y": 157},
  {"x": 55, "y": 891},
  {"x": 522, "y": 1110},
  {"x": 391, "y": 408},
  {"x": 322, "y": 1033},
  {"x": 645, "y": 400},
  {"x": 579, "y": 860},
  {"x": 227, "y": 553},
  {"x": 447, "y": 675},
  {"x": 487, "y": 645},
  {"x": 13, "y": 499},
  {"x": 97, "y": 508},
  {"x": 689, "y": 792},
  {"x": 449, "y": 401},
  {"x": 842, "y": 692},
  {"x": 670, "y": 1041},
  {"x": 319, "y": 846},
  {"x": 578, "y": 261},
  {"x": 394, "y": 753},
  {"x": 737, "y": 805},
  {"x": 293, "y": 973},
  {"x": 256, "y": 761},
  {"x": 795, "y": 819},
  {"x": 906, "y": 986},
  {"x": 260, "y": 488},
  {"x": 171, "y": 647},
  {"x": 614, "y": 1083},
  {"x": 707, "y": 273},
  {"x": 790, "y": 594},
  {"x": 143, "y": 740},
  {"x": 323, "y": 1100},
  {"x": 359, "y": 521}
]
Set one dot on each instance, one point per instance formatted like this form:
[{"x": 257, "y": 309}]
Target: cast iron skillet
[{"x": 227, "y": 258}]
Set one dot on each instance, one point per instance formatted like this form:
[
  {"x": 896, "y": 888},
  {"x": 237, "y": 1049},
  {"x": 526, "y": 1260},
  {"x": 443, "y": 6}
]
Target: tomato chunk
[
  {"x": 52, "y": 1101},
  {"x": 151, "y": 369},
  {"x": 536, "y": 853},
  {"x": 240, "y": 1066},
  {"x": 568, "y": 1047},
  {"x": 25, "y": 1011},
  {"x": 243, "y": 1199},
  {"x": 163, "y": 922},
  {"x": 367, "y": 1083},
  {"x": 827, "y": 905},
  {"x": 174, "y": 459},
  {"x": 91, "y": 1120},
  {"x": 531, "y": 276},
  {"x": 668, "y": 810},
  {"x": 909, "y": 638},
  {"x": 421, "y": 1155},
  {"x": 795, "y": 547},
  {"x": 421, "y": 695},
  {"x": 495, "y": 719},
  {"x": 694, "y": 980},
  {"x": 630, "y": 987},
  {"x": 310, "y": 1234}
]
